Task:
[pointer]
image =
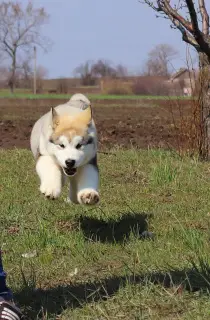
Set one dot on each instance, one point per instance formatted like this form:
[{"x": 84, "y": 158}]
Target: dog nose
[{"x": 70, "y": 163}]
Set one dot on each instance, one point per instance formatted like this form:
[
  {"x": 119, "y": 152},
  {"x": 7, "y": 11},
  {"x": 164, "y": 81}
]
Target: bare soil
[{"x": 126, "y": 123}]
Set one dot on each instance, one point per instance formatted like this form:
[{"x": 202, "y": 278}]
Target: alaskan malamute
[{"x": 64, "y": 143}]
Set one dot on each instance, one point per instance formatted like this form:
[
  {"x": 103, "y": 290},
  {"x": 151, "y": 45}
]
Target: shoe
[{"x": 9, "y": 311}]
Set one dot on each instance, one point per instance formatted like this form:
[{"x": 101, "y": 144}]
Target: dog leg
[
  {"x": 85, "y": 186},
  {"x": 50, "y": 176},
  {"x": 73, "y": 190}
]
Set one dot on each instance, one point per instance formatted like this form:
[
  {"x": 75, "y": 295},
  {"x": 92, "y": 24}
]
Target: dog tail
[
  {"x": 80, "y": 97},
  {"x": 79, "y": 100}
]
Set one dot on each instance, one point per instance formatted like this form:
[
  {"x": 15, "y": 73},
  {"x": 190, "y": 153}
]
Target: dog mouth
[{"x": 69, "y": 171}]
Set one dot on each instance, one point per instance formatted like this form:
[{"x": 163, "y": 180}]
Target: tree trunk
[
  {"x": 12, "y": 79},
  {"x": 204, "y": 105}
]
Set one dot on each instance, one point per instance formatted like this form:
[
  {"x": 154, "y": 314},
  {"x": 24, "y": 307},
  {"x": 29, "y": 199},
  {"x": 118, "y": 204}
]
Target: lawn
[
  {"x": 143, "y": 253},
  {"x": 28, "y": 95}
]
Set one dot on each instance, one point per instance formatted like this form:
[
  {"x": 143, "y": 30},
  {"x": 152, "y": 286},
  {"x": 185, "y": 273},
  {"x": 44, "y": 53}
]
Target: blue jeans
[{"x": 5, "y": 292}]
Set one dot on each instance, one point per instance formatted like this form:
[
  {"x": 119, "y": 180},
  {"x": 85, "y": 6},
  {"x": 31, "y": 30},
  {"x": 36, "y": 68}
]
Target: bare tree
[
  {"x": 103, "y": 68},
  {"x": 4, "y": 76},
  {"x": 20, "y": 31},
  {"x": 160, "y": 60},
  {"x": 26, "y": 72},
  {"x": 41, "y": 74},
  {"x": 195, "y": 31},
  {"x": 121, "y": 71},
  {"x": 90, "y": 71},
  {"x": 85, "y": 72}
]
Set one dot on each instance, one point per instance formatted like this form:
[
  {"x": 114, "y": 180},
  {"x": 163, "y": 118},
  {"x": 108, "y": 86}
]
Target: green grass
[
  {"x": 93, "y": 263},
  {"x": 18, "y": 94}
]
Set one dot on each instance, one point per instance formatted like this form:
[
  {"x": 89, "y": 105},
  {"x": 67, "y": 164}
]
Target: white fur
[
  {"x": 84, "y": 185},
  {"x": 81, "y": 156},
  {"x": 50, "y": 176},
  {"x": 79, "y": 96}
]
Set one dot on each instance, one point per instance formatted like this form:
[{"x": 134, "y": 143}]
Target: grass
[
  {"x": 98, "y": 263},
  {"x": 31, "y": 96}
]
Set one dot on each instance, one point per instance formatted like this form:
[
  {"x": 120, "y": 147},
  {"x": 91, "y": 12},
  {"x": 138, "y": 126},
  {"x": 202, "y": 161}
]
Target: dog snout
[{"x": 70, "y": 163}]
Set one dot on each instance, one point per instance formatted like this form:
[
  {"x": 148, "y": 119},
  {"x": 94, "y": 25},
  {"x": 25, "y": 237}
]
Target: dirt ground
[{"x": 126, "y": 123}]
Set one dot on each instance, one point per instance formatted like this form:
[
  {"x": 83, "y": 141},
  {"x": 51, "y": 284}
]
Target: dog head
[{"x": 72, "y": 139}]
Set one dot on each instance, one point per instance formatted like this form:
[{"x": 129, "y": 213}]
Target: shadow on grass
[
  {"x": 53, "y": 301},
  {"x": 112, "y": 231}
]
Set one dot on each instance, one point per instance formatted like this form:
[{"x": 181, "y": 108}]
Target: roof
[
  {"x": 190, "y": 73},
  {"x": 178, "y": 73}
]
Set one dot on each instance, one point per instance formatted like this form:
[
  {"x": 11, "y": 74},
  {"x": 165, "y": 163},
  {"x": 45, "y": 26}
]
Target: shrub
[{"x": 150, "y": 86}]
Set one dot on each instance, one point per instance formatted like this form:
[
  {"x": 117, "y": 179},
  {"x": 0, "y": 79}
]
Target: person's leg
[
  {"x": 8, "y": 310},
  {"x": 5, "y": 292}
]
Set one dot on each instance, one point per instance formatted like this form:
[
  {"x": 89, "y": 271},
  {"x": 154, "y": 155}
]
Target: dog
[{"x": 64, "y": 144}]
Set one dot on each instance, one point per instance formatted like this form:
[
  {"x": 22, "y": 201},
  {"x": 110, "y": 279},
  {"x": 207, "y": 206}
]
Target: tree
[
  {"x": 41, "y": 74},
  {"x": 90, "y": 71},
  {"x": 85, "y": 72},
  {"x": 195, "y": 31},
  {"x": 20, "y": 31},
  {"x": 159, "y": 61},
  {"x": 4, "y": 75},
  {"x": 103, "y": 68},
  {"x": 26, "y": 72},
  {"x": 121, "y": 71}
]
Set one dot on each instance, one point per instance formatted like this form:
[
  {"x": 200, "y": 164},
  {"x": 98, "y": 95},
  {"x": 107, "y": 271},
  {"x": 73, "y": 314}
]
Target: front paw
[
  {"x": 50, "y": 190},
  {"x": 88, "y": 197}
]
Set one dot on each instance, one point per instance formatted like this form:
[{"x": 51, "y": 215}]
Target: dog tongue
[{"x": 70, "y": 172}]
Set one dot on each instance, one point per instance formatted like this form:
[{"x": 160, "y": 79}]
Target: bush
[
  {"x": 118, "y": 88},
  {"x": 150, "y": 86}
]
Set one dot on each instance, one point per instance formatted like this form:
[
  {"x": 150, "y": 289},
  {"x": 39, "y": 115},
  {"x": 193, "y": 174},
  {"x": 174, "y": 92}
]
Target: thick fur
[{"x": 67, "y": 132}]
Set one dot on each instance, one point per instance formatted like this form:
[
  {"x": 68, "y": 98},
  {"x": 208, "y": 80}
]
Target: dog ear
[
  {"x": 85, "y": 116},
  {"x": 55, "y": 118}
]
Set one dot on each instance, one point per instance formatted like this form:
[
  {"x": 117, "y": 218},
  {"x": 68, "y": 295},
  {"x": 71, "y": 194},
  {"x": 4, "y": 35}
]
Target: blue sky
[{"x": 122, "y": 31}]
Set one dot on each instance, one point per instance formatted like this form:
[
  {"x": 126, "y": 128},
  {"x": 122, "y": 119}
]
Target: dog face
[{"x": 72, "y": 140}]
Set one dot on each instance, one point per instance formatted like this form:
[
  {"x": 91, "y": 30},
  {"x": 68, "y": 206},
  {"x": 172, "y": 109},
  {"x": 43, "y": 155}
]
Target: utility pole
[{"x": 34, "y": 70}]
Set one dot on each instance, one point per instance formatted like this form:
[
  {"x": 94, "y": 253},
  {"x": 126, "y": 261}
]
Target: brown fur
[{"x": 70, "y": 126}]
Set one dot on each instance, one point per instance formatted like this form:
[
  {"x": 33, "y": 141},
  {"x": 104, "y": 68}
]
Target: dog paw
[
  {"x": 88, "y": 197},
  {"x": 50, "y": 191}
]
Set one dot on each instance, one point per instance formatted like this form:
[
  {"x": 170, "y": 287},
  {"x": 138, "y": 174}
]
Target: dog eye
[
  {"x": 90, "y": 140},
  {"x": 78, "y": 146},
  {"x": 62, "y": 145}
]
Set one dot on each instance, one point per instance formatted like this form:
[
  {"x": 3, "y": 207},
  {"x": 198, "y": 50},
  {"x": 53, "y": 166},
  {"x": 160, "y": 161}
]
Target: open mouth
[{"x": 69, "y": 171}]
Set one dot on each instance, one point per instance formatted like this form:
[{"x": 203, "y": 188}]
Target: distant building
[{"x": 184, "y": 80}]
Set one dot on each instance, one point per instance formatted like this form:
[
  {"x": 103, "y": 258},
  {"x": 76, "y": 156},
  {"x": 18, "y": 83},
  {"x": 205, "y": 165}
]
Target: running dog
[{"x": 64, "y": 143}]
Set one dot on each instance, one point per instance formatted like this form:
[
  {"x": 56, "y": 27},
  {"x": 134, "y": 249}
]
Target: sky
[{"x": 121, "y": 31}]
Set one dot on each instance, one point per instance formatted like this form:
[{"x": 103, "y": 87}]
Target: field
[
  {"x": 142, "y": 253},
  {"x": 141, "y": 122},
  {"x": 27, "y": 94}
]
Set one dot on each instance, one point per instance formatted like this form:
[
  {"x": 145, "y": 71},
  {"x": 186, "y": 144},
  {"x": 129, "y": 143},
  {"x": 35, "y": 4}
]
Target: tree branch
[
  {"x": 21, "y": 34},
  {"x": 8, "y": 48},
  {"x": 193, "y": 17},
  {"x": 178, "y": 21},
  {"x": 205, "y": 17},
  {"x": 186, "y": 36},
  {"x": 198, "y": 35},
  {"x": 166, "y": 7},
  {"x": 190, "y": 30}
]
